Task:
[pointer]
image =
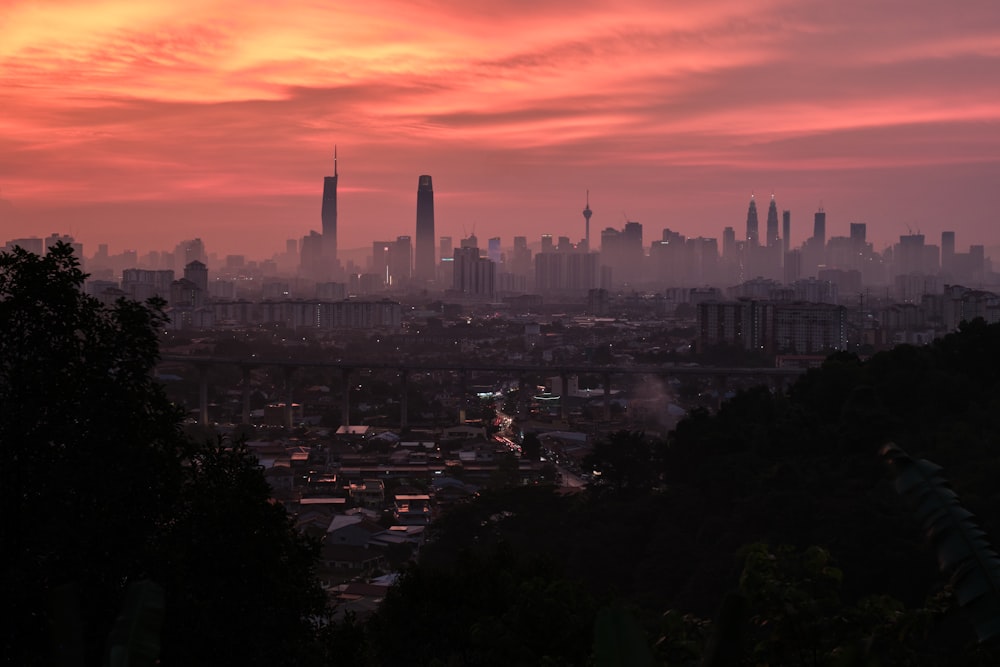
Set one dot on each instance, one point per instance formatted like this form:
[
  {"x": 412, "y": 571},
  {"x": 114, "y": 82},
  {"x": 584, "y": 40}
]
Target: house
[
  {"x": 368, "y": 493},
  {"x": 412, "y": 509},
  {"x": 351, "y": 529},
  {"x": 341, "y": 562}
]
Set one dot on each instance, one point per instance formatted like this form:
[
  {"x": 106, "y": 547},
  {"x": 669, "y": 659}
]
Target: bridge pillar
[
  {"x": 522, "y": 397},
  {"x": 345, "y": 408},
  {"x": 721, "y": 382},
  {"x": 404, "y": 399},
  {"x": 246, "y": 393},
  {"x": 564, "y": 396},
  {"x": 203, "y": 394},
  {"x": 463, "y": 400},
  {"x": 607, "y": 396},
  {"x": 289, "y": 415}
]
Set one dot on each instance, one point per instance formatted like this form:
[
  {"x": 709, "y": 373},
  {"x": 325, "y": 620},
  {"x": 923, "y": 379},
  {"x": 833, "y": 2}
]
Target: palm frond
[{"x": 964, "y": 553}]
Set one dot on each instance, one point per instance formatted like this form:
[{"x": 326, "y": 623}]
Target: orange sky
[{"x": 141, "y": 124}]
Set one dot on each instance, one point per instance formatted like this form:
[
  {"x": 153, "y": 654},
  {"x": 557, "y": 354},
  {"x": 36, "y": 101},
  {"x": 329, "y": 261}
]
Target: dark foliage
[
  {"x": 492, "y": 608},
  {"x": 668, "y": 525},
  {"x": 99, "y": 489}
]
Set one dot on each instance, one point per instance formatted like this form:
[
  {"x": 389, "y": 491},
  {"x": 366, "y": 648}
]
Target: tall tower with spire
[
  {"x": 772, "y": 223},
  {"x": 753, "y": 235},
  {"x": 424, "y": 268},
  {"x": 586, "y": 217},
  {"x": 329, "y": 215}
]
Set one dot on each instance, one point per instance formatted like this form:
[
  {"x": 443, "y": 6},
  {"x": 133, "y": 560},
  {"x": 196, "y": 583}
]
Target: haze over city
[{"x": 142, "y": 124}]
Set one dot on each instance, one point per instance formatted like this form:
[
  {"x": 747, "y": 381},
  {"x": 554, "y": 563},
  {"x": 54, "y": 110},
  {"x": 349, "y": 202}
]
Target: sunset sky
[{"x": 140, "y": 124}]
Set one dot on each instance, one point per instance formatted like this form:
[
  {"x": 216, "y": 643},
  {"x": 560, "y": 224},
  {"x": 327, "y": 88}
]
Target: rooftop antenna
[{"x": 335, "y": 159}]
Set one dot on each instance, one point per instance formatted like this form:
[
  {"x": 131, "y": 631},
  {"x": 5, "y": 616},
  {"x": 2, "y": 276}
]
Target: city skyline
[{"x": 141, "y": 126}]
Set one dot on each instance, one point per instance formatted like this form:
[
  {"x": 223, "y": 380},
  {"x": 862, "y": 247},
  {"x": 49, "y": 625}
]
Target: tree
[
  {"x": 101, "y": 489},
  {"x": 531, "y": 447},
  {"x": 624, "y": 462},
  {"x": 233, "y": 567},
  {"x": 91, "y": 446}
]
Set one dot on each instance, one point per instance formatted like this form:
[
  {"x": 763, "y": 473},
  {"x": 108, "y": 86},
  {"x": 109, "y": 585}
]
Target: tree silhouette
[{"x": 99, "y": 488}]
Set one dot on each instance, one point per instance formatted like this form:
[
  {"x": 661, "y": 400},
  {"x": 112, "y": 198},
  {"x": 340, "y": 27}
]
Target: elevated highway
[{"x": 774, "y": 377}]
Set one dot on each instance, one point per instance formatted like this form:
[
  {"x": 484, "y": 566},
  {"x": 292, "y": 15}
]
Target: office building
[
  {"x": 819, "y": 227},
  {"x": 424, "y": 266},
  {"x": 772, "y": 224},
  {"x": 473, "y": 276},
  {"x": 753, "y": 234},
  {"x": 329, "y": 215},
  {"x": 786, "y": 232},
  {"x": 197, "y": 273}
]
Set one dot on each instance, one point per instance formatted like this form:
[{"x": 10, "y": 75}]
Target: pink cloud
[{"x": 657, "y": 107}]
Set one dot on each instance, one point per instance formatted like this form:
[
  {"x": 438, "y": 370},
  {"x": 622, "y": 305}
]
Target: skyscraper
[
  {"x": 786, "y": 232},
  {"x": 772, "y": 223},
  {"x": 197, "y": 273},
  {"x": 947, "y": 252},
  {"x": 547, "y": 245},
  {"x": 329, "y": 214},
  {"x": 859, "y": 232},
  {"x": 753, "y": 235},
  {"x": 493, "y": 249},
  {"x": 819, "y": 227},
  {"x": 424, "y": 265},
  {"x": 473, "y": 276}
]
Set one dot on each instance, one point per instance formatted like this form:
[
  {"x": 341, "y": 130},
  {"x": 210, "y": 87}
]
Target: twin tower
[{"x": 424, "y": 264}]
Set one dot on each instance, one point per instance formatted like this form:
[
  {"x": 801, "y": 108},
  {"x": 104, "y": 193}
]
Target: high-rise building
[
  {"x": 633, "y": 253},
  {"x": 909, "y": 255},
  {"x": 311, "y": 255},
  {"x": 197, "y": 273},
  {"x": 188, "y": 251},
  {"x": 520, "y": 263},
  {"x": 566, "y": 272},
  {"x": 445, "y": 246},
  {"x": 786, "y": 232},
  {"x": 729, "y": 243},
  {"x": 622, "y": 252},
  {"x": 859, "y": 233},
  {"x": 444, "y": 269},
  {"x": 819, "y": 227},
  {"x": 493, "y": 251},
  {"x": 772, "y": 224},
  {"x": 381, "y": 261},
  {"x": 586, "y": 217},
  {"x": 401, "y": 261},
  {"x": 329, "y": 214},
  {"x": 424, "y": 264},
  {"x": 473, "y": 276},
  {"x": 947, "y": 252},
  {"x": 753, "y": 235},
  {"x": 547, "y": 245},
  {"x": 142, "y": 284},
  {"x": 34, "y": 245}
]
